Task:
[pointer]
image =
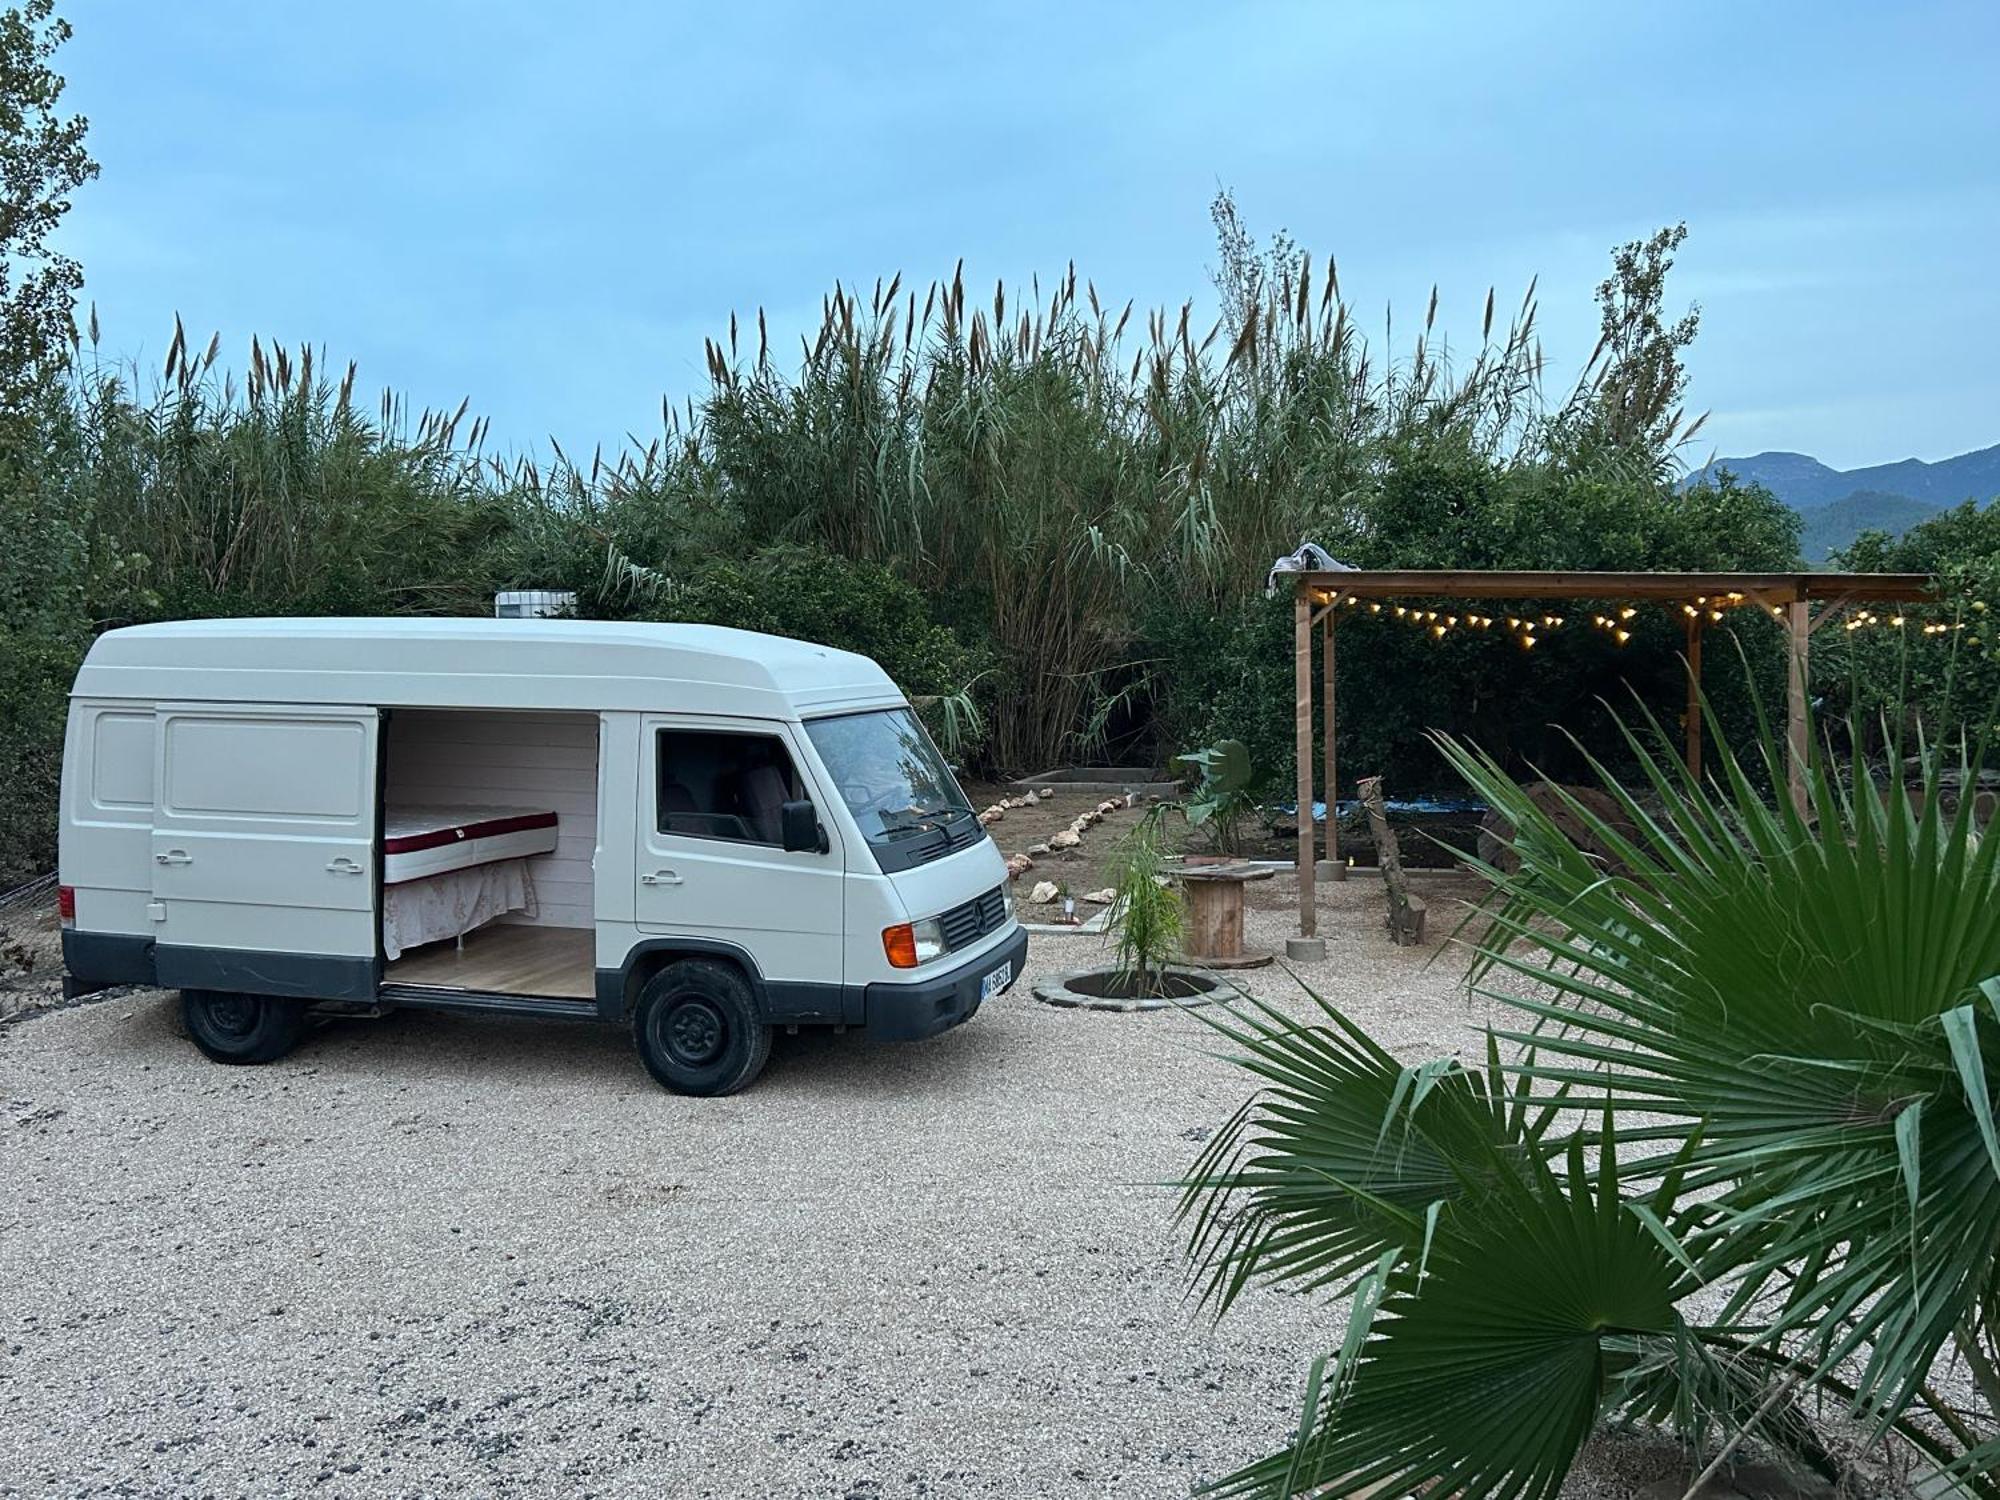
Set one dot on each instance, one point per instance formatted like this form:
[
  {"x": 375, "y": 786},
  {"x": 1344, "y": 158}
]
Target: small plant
[
  {"x": 1145, "y": 913},
  {"x": 1221, "y": 799}
]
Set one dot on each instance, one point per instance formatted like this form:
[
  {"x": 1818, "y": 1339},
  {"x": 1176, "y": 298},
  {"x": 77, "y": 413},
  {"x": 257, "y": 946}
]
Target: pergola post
[
  {"x": 1798, "y": 634},
  {"x": 1694, "y": 695},
  {"x": 1330, "y": 763},
  {"x": 1302, "y": 649}
]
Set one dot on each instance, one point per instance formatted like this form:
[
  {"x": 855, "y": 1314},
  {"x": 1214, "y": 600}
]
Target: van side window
[{"x": 723, "y": 786}]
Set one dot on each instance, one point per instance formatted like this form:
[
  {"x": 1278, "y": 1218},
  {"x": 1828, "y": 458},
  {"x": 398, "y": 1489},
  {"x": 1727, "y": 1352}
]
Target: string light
[{"x": 1714, "y": 607}]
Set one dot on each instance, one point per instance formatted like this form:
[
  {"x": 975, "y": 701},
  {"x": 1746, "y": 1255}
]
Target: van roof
[{"x": 479, "y": 663}]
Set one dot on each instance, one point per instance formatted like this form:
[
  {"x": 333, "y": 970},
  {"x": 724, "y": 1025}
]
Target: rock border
[{"x": 1056, "y": 991}]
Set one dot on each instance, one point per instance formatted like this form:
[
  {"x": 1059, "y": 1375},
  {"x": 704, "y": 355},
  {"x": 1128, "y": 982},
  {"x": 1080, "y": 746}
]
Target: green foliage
[
  {"x": 1804, "y": 1014},
  {"x": 810, "y": 594},
  {"x": 36, "y": 667},
  {"x": 1221, "y": 798},
  {"x": 1145, "y": 913},
  {"x": 1941, "y": 682},
  {"x": 1046, "y": 520},
  {"x": 45, "y": 162}
]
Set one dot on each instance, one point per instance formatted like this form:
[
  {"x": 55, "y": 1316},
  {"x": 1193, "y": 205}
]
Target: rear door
[{"x": 263, "y": 849}]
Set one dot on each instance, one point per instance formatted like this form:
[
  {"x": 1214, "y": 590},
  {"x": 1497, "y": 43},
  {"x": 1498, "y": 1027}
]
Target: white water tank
[{"x": 535, "y": 604}]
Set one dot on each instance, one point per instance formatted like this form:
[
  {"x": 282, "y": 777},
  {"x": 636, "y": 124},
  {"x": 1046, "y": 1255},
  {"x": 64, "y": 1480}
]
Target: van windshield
[{"x": 890, "y": 776}]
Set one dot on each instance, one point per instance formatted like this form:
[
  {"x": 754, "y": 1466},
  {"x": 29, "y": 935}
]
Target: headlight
[
  {"x": 913, "y": 943},
  {"x": 929, "y": 934},
  {"x": 1007, "y": 901}
]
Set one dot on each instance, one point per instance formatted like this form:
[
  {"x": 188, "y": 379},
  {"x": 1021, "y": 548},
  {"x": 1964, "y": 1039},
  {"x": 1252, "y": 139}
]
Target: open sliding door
[{"x": 264, "y": 877}]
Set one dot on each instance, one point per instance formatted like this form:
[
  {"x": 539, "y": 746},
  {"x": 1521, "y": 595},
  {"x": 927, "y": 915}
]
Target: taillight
[
  {"x": 900, "y": 943},
  {"x": 66, "y": 904}
]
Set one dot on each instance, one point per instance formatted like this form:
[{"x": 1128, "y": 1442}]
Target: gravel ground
[{"x": 428, "y": 1255}]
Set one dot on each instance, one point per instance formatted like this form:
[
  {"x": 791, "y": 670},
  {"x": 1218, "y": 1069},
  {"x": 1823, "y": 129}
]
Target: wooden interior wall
[{"x": 441, "y": 758}]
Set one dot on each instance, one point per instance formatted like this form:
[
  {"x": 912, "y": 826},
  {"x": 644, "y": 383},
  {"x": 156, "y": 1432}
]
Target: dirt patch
[
  {"x": 30, "y": 959},
  {"x": 1427, "y": 840}
]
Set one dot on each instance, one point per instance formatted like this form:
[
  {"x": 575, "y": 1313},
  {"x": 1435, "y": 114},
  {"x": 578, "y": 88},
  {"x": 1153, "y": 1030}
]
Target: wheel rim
[
  {"x": 233, "y": 1016},
  {"x": 695, "y": 1033}
]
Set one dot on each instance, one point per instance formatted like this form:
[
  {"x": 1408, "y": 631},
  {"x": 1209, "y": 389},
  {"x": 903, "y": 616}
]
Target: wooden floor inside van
[{"x": 506, "y": 960}]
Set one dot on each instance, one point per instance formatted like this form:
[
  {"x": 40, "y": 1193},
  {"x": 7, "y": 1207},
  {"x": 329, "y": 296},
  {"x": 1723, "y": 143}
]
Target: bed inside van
[{"x": 489, "y": 825}]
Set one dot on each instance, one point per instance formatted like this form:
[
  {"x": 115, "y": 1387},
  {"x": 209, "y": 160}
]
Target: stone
[
  {"x": 1041, "y": 848},
  {"x": 989, "y": 817},
  {"x": 1044, "y": 893},
  {"x": 1065, "y": 838},
  {"x": 1109, "y": 805},
  {"x": 1018, "y": 865},
  {"x": 1305, "y": 950},
  {"x": 1131, "y": 799},
  {"x": 1045, "y": 793},
  {"x": 1087, "y": 818},
  {"x": 1101, "y": 898}
]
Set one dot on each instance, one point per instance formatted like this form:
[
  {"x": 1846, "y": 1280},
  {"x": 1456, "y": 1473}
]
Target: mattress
[{"x": 423, "y": 841}]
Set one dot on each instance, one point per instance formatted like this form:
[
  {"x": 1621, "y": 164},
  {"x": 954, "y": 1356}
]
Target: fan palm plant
[{"x": 1754, "y": 1054}]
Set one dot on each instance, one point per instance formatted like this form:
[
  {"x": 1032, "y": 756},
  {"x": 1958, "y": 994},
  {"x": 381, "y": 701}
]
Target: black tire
[
  {"x": 233, "y": 1028},
  {"x": 698, "y": 1030}
]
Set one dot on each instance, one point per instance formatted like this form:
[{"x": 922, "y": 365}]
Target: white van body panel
[
  {"x": 107, "y": 813},
  {"x": 263, "y": 829}
]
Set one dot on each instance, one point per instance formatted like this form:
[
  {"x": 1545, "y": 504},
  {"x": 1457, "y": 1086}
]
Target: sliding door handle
[
  {"x": 173, "y": 857},
  {"x": 343, "y": 866},
  {"x": 660, "y": 877}
]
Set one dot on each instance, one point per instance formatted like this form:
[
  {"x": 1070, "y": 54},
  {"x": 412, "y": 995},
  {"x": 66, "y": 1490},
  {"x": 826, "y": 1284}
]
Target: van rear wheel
[
  {"x": 698, "y": 1030},
  {"x": 235, "y": 1028}
]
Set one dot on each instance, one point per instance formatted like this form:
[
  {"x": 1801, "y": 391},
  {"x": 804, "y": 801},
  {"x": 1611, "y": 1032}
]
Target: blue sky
[{"x": 545, "y": 208}]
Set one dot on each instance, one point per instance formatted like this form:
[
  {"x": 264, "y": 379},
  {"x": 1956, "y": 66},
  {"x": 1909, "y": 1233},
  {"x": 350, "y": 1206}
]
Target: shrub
[{"x": 1734, "y": 1157}]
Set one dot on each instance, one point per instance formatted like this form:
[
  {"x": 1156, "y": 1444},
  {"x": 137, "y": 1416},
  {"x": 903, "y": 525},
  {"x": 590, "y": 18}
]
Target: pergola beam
[
  {"x": 1463, "y": 583},
  {"x": 1302, "y": 649}
]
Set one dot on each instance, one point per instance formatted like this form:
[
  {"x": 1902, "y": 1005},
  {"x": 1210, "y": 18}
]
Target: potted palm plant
[{"x": 1145, "y": 930}]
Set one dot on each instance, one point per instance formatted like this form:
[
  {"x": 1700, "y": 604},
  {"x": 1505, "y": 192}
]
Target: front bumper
[{"x": 903, "y": 1012}]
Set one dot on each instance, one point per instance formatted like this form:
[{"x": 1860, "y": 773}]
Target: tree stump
[{"x": 1406, "y": 912}]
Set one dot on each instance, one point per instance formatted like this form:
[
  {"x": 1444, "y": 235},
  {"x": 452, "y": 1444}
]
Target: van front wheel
[
  {"x": 698, "y": 1030},
  {"x": 234, "y": 1028}
]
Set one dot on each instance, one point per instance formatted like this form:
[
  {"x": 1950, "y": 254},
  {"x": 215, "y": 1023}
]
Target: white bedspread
[{"x": 435, "y": 907}]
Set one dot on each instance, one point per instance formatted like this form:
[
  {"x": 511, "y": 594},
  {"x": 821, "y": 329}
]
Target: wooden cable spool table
[{"x": 1214, "y": 936}]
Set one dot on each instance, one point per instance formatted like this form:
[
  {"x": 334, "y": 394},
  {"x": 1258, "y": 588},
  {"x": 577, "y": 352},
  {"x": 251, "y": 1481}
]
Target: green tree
[
  {"x": 46, "y": 556},
  {"x": 42, "y": 162}
]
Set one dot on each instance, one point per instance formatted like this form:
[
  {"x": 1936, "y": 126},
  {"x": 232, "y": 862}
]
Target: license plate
[{"x": 997, "y": 981}]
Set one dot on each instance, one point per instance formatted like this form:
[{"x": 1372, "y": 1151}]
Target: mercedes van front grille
[{"x": 967, "y": 924}]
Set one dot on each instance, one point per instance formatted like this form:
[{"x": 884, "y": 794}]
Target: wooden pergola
[{"x": 1801, "y": 602}]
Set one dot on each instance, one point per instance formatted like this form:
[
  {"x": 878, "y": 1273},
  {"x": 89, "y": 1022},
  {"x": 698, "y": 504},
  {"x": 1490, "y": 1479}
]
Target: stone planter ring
[{"x": 1103, "y": 989}]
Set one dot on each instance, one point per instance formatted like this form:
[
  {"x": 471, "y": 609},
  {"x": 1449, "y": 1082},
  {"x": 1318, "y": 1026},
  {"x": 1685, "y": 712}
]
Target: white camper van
[{"x": 701, "y": 832}]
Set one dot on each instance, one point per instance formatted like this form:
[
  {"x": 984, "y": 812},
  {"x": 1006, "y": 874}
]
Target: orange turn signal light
[{"x": 900, "y": 943}]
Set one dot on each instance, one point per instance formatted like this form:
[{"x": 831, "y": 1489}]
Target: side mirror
[{"x": 798, "y": 828}]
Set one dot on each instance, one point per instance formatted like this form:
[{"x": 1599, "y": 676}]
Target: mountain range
[{"x": 1837, "y": 505}]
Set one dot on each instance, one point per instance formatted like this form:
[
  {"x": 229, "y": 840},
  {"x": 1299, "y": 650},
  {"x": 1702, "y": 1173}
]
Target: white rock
[
  {"x": 1109, "y": 805},
  {"x": 1041, "y": 848},
  {"x": 1018, "y": 865},
  {"x": 1043, "y": 893},
  {"x": 1045, "y": 793},
  {"x": 1101, "y": 898},
  {"x": 989, "y": 817},
  {"x": 1065, "y": 838}
]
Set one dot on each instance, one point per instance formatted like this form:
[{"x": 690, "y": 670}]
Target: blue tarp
[{"x": 1416, "y": 807}]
